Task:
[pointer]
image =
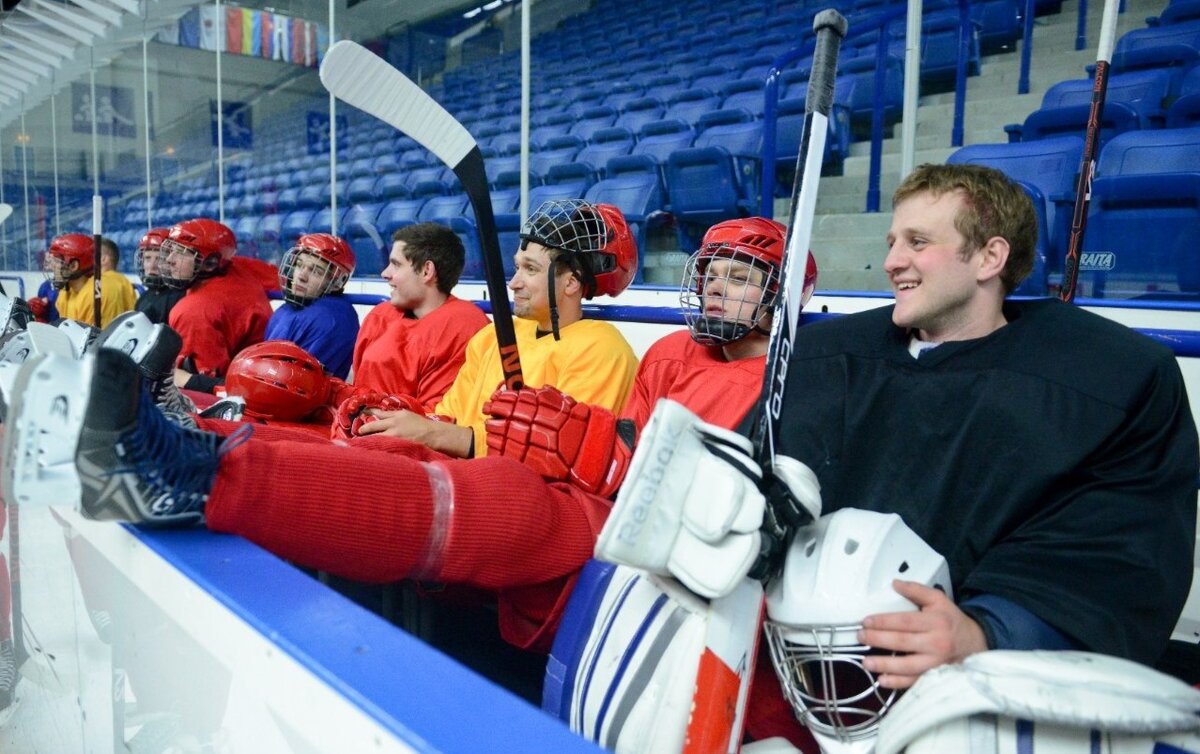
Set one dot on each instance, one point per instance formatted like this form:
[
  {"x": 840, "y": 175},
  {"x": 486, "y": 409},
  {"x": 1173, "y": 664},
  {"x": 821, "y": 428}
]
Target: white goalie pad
[
  {"x": 641, "y": 665},
  {"x": 1055, "y": 702}
]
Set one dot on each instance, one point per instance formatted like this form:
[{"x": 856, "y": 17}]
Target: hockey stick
[
  {"x": 97, "y": 213},
  {"x": 830, "y": 27},
  {"x": 359, "y": 77},
  {"x": 5, "y": 212},
  {"x": 1087, "y": 165}
]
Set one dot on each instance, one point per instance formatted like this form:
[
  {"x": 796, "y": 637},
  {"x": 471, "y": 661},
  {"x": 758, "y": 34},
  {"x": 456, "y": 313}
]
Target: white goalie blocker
[
  {"x": 641, "y": 665},
  {"x": 1008, "y": 702}
]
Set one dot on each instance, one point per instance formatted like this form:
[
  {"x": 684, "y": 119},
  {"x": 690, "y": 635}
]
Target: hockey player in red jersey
[
  {"x": 415, "y": 342},
  {"x": 226, "y": 306}
]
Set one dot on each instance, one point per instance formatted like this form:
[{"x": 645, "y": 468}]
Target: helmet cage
[
  {"x": 575, "y": 228},
  {"x": 153, "y": 281},
  {"x": 200, "y": 267},
  {"x": 698, "y": 277},
  {"x": 335, "y": 276},
  {"x": 54, "y": 269},
  {"x": 824, "y": 679}
]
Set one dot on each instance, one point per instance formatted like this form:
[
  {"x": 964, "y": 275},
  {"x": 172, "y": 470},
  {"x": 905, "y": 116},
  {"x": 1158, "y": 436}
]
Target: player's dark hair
[{"x": 433, "y": 242}]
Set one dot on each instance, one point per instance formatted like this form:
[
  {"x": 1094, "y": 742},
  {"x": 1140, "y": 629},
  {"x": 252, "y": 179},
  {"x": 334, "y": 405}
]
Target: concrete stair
[{"x": 849, "y": 242}]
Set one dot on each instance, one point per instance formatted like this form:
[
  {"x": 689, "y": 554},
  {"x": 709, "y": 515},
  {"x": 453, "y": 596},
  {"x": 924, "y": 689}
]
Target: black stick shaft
[
  {"x": 1087, "y": 166},
  {"x": 830, "y": 28}
]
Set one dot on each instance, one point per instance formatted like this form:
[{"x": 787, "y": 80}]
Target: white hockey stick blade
[
  {"x": 5, "y": 212},
  {"x": 361, "y": 78}
]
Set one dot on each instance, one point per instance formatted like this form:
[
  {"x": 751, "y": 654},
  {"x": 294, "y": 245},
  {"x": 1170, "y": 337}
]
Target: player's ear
[{"x": 992, "y": 258}]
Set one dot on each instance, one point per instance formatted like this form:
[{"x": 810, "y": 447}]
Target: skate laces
[
  {"x": 165, "y": 393},
  {"x": 177, "y": 465}
]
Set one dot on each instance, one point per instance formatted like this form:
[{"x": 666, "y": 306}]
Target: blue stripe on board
[
  {"x": 425, "y": 699},
  {"x": 1024, "y": 737}
]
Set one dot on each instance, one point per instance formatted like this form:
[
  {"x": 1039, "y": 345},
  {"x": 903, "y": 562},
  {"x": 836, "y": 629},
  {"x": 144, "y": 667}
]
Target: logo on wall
[
  {"x": 318, "y": 132},
  {"x": 114, "y": 110},
  {"x": 235, "y": 125}
]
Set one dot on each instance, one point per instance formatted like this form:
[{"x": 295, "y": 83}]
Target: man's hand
[
  {"x": 691, "y": 506},
  {"x": 434, "y": 433},
  {"x": 937, "y": 634},
  {"x": 559, "y": 438},
  {"x": 361, "y": 408}
]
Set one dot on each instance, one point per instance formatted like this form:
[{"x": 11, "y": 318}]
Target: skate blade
[{"x": 45, "y": 419}]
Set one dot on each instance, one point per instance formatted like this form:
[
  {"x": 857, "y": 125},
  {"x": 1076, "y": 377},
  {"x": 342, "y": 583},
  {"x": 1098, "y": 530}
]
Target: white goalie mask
[{"x": 839, "y": 570}]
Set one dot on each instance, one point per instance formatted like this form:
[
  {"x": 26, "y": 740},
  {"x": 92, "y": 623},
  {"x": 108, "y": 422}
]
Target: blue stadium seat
[
  {"x": 605, "y": 144},
  {"x": 455, "y": 212},
  {"x": 703, "y": 188},
  {"x": 1176, "y": 46},
  {"x": 440, "y": 207},
  {"x": 540, "y": 136},
  {"x": 710, "y": 77},
  {"x": 789, "y": 123},
  {"x": 660, "y": 138},
  {"x": 557, "y": 150},
  {"x": 1185, "y": 111},
  {"x": 295, "y": 224},
  {"x": 267, "y": 237},
  {"x": 593, "y": 119},
  {"x": 689, "y": 104},
  {"x": 391, "y": 186},
  {"x": 322, "y": 221},
  {"x": 745, "y": 94},
  {"x": 360, "y": 190},
  {"x": 1145, "y": 217},
  {"x": 621, "y": 93},
  {"x": 1132, "y": 100},
  {"x": 313, "y": 196},
  {"x": 426, "y": 175},
  {"x": 397, "y": 214},
  {"x": 663, "y": 86},
  {"x": 756, "y": 66},
  {"x": 508, "y": 142},
  {"x": 740, "y": 134},
  {"x": 633, "y": 186},
  {"x": 639, "y": 112},
  {"x": 1177, "y": 12}
]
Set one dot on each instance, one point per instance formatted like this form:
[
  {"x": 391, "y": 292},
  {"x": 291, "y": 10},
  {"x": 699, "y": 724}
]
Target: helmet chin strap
[{"x": 553, "y": 300}]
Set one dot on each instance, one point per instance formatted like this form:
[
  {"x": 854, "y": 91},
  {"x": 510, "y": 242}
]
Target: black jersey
[
  {"x": 1053, "y": 462},
  {"x": 156, "y": 304}
]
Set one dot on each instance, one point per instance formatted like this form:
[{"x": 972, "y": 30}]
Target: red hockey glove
[
  {"x": 340, "y": 391},
  {"x": 352, "y": 413},
  {"x": 39, "y": 307},
  {"x": 561, "y": 439}
]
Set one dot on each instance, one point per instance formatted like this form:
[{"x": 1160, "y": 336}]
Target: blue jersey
[
  {"x": 326, "y": 328},
  {"x": 47, "y": 291}
]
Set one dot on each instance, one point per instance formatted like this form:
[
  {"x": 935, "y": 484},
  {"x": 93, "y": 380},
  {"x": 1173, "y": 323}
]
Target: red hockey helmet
[
  {"x": 319, "y": 264},
  {"x": 278, "y": 379},
  {"x": 757, "y": 243},
  {"x": 149, "y": 259},
  {"x": 208, "y": 244},
  {"x": 64, "y": 250},
  {"x": 596, "y": 238}
]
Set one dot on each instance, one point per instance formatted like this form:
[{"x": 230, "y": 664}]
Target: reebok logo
[
  {"x": 647, "y": 488},
  {"x": 1097, "y": 261}
]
